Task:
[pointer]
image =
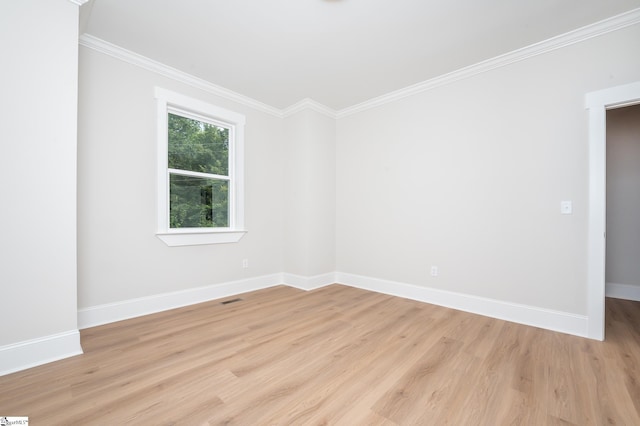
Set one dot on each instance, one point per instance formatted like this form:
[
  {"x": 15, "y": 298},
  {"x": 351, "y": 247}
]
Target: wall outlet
[
  {"x": 245, "y": 263},
  {"x": 434, "y": 271}
]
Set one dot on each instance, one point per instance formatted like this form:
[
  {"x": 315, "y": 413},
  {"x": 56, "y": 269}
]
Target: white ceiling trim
[
  {"x": 130, "y": 57},
  {"x": 79, "y": 2},
  {"x": 593, "y": 30},
  {"x": 308, "y": 103}
]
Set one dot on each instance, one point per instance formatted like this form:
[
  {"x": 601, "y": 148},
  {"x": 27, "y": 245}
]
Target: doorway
[
  {"x": 598, "y": 103},
  {"x": 622, "y": 269}
]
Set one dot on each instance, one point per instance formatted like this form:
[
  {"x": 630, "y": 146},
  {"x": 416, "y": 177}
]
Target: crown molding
[
  {"x": 614, "y": 23},
  {"x": 581, "y": 34},
  {"x": 130, "y": 57},
  {"x": 79, "y": 2},
  {"x": 308, "y": 103}
]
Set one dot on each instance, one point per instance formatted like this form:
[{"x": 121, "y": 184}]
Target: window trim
[{"x": 176, "y": 103}]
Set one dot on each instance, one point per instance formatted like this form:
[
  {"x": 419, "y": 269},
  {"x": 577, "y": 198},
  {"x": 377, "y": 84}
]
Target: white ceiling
[{"x": 336, "y": 52}]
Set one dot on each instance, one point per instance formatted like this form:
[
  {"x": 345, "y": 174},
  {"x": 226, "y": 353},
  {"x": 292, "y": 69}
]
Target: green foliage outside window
[{"x": 198, "y": 201}]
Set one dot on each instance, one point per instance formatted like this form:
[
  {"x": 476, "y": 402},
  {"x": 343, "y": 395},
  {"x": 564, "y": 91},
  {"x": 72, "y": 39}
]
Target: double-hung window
[{"x": 200, "y": 171}]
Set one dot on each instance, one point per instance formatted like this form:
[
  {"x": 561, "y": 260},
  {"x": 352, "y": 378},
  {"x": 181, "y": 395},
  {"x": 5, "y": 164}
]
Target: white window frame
[{"x": 176, "y": 103}]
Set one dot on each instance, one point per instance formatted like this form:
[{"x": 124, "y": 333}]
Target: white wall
[
  {"x": 469, "y": 177},
  {"x": 119, "y": 256},
  {"x": 623, "y": 196},
  {"x": 310, "y": 178},
  {"x": 39, "y": 45}
]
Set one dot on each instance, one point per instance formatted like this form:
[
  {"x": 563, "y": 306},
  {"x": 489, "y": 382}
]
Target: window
[{"x": 200, "y": 171}]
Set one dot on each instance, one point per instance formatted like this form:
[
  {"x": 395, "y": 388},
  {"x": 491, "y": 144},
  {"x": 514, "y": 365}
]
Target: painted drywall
[
  {"x": 39, "y": 45},
  {"x": 120, "y": 258},
  {"x": 310, "y": 176},
  {"x": 623, "y": 196},
  {"x": 469, "y": 177}
]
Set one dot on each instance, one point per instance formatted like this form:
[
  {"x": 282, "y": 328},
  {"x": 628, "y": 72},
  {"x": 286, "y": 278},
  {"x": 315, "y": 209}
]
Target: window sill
[{"x": 196, "y": 238}]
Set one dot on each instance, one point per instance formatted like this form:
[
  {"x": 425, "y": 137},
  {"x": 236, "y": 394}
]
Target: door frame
[{"x": 597, "y": 103}]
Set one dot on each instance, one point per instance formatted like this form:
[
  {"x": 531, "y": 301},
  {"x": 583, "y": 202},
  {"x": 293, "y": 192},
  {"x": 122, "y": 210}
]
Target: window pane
[
  {"x": 198, "y": 203},
  {"x": 198, "y": 146}
]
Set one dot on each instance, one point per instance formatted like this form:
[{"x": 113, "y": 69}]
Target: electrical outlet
[
  {"x": 245, "y": 263},
  {"x": 434, "y": 271}
]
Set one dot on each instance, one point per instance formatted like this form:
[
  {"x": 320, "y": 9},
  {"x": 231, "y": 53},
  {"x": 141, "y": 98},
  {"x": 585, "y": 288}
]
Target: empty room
[{"x": 301, "y": 212}]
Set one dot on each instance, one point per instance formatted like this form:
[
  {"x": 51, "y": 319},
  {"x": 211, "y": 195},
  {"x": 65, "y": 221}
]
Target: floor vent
[{"x": 226, "y": 302}]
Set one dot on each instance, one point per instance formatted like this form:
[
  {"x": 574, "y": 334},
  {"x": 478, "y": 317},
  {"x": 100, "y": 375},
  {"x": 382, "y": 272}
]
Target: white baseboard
[
  {"x": 118, "y": 311},
  {"x": 31, "y": 353},
  {"x": 623, "y": 291},
  {"x": 309, "y": 283},
  {"x": 529, "y": 315},
  {"x": 34, "y": 352},
  {"x": 112, "y": 312},
  {"x": 523, "y": 314}
]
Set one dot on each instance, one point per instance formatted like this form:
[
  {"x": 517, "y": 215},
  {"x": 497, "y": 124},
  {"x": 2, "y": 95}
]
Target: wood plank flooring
[{"x": 339, "y": 356}]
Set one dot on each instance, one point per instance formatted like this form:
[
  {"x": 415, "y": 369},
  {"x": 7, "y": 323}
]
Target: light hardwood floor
[{"x": 336, "y": 355}]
